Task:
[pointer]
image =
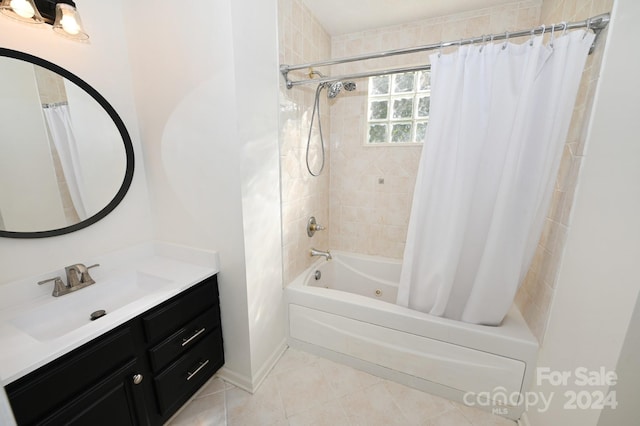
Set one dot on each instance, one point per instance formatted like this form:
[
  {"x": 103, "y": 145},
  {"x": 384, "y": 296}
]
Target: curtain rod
[{"x": 595, "y": 23}]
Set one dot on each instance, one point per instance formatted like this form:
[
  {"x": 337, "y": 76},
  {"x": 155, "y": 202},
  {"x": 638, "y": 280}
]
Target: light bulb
[
  {"x": 22, "y": 8},
  {"x": 68, "y": 22},
  {"x": 70, "y": 25}
]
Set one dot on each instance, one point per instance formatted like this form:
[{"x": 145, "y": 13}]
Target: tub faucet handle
[{"x": 313, "y": 226}]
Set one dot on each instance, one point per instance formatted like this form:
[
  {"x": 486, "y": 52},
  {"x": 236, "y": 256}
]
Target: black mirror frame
[{"x": 126, "y": 139}]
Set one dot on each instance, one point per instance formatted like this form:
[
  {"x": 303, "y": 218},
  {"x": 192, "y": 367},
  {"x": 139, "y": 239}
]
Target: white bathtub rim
[{"x": 300, "y": 283}]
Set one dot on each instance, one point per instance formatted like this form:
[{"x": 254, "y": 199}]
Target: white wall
[
  {"x": 206, "y": 89},
  {"x": 628, "y": 386},
  {"x": 599, "y": 280},
  {"x": 29, "y": 190},
  {"x": 103, "y": 63},
  {"x": 184, "y": 85},
  {"x": 255, "y": 43}
]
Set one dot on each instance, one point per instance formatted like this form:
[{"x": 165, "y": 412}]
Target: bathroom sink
[{"x": 61, "y": 315}]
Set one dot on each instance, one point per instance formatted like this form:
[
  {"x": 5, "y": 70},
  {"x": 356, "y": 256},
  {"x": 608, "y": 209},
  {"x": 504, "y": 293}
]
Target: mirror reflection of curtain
[{"x": 61, "y": 130}]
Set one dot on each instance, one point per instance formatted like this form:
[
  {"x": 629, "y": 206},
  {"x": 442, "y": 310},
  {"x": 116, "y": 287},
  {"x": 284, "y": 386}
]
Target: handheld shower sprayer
[{"x": 333, "y": 89}]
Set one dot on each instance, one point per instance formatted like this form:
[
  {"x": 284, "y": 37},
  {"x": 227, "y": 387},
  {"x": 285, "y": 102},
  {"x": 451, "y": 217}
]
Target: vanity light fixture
[{"x": 61, "y": 14}]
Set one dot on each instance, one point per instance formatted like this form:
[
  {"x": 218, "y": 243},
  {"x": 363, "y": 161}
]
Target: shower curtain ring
[
  {"x": 533, "y": 33},
  {"x": 588, "y": 28},
  {"x": 553, "y": 29},
  {"x": 506, "y": 40},
  {"x": 482, "y": 43},
  {"x": 440, "y": 50},
  {"x": 564, "y": 27}
]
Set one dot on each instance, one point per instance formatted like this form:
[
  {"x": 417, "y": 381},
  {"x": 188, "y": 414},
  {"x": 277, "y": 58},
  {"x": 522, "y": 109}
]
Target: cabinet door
[
  {"x": 62, "y": 381},
  {"x": 116, "y": 400}
]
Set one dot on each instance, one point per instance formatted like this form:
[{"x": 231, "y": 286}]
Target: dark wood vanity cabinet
[{"x": 140, "y": 373}]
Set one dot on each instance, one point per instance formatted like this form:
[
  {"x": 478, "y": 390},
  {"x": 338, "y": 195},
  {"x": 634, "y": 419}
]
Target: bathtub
[{"x": 344, "y": 309}]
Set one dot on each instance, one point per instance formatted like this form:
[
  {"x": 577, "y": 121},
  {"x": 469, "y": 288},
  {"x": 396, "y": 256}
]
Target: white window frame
[{"x": 416, "y": 94}]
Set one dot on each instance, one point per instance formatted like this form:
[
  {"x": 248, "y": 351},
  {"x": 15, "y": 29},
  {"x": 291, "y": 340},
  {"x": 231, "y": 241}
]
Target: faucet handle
[
  {"x": 313, "y": 226},
  {"x": 85, "y": 278},
  {"x": 59, "y": 287}
]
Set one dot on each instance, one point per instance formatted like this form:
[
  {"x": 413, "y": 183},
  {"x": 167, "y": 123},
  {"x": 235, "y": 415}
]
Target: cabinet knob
[{"x": 137, "y": 379}]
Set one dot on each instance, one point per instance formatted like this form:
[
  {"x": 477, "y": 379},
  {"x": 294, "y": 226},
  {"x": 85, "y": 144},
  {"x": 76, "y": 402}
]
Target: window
[{"x": 398, "y": 107}]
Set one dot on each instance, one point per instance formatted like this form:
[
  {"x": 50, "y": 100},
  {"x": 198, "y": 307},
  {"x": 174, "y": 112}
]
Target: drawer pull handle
[
  {"x": 137, "y": 379},
  {"x": 200, "y": 367},
  {"x": 185, "y": 342}
]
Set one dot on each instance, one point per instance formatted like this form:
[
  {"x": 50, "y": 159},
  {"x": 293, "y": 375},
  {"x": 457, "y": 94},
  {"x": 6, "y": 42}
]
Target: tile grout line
[{"x": 224, "y": 406}]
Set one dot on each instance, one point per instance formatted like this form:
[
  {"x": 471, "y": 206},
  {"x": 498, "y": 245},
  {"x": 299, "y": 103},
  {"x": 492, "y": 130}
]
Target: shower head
[
  {"x": 337, "y": 86},
  {"x": 349, "y": 86},
  {"x": 333, "y": 88}
]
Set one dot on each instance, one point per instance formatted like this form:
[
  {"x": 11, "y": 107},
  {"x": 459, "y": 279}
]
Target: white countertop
[{"x": 149, "y": 274}]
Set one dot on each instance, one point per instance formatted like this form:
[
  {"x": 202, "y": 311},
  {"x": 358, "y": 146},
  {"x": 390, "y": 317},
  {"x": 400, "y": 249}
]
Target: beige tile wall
[
  {"x": 50, "y": 86},
  {"x": 535, "y": 295},
  {"x": 368, "y": 216},
  {"x": 302, "y": 39}
]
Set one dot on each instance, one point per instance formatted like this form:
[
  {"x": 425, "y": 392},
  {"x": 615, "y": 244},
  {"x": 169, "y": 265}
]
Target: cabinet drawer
[
  {"x": 55, "y": 384},
  {"x": 178, "y": 311},
  {"x": 181, "y": 379},
  {"x": 184, "y": 339}
]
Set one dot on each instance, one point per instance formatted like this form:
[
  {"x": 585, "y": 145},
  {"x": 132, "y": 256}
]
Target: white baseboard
[
  {"x": 264, "y": 370},
  {"x": 251, "y": 384},
  {"x": 235, "y": 378}
]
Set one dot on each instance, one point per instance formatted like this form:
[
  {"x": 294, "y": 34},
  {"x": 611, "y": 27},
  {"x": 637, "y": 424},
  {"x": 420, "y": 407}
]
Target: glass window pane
[
  {"x": 378, "y": 110},
  {"x": 423, "y": 106},
  {"x": 403, "y": 83},
  {"x": 425, "y": 80},
  {"x": 403, "y": 108},
  {"x": 401, "y": 132},
  {"x": 379, "y": 85},
  {"x": 377, "y": 133},
  {"x": 421, "y": 131}
]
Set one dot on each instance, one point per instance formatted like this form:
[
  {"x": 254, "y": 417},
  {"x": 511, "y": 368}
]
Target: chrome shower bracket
[
  {"x": 284, "y": 70},
  {"x": 597, "y": 24}
]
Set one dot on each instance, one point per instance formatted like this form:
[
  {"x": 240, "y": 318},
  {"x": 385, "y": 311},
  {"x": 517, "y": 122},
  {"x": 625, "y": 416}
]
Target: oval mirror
[{"x": 66, "y": 158}]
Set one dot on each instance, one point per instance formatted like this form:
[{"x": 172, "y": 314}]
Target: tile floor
[{"x": 303, "y": 389}]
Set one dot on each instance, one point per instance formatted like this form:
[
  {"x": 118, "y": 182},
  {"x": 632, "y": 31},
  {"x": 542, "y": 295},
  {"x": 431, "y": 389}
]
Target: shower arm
[{"x": 595, "y": 23}]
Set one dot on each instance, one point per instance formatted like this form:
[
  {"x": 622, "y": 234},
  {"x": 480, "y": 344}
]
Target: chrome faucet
[
  {"x": 77, "y": 277},
  {"x": 326, "y": 254}
]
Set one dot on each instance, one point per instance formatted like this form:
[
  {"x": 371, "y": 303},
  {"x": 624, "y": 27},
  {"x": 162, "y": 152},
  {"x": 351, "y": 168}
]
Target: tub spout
[{"x": 326, "y": 254}]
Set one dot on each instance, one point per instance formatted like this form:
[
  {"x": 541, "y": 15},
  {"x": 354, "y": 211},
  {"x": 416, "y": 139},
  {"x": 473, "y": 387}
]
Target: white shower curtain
[
  {"x": 61, "y": 129},
  {"x": 499, "y": 119}
]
